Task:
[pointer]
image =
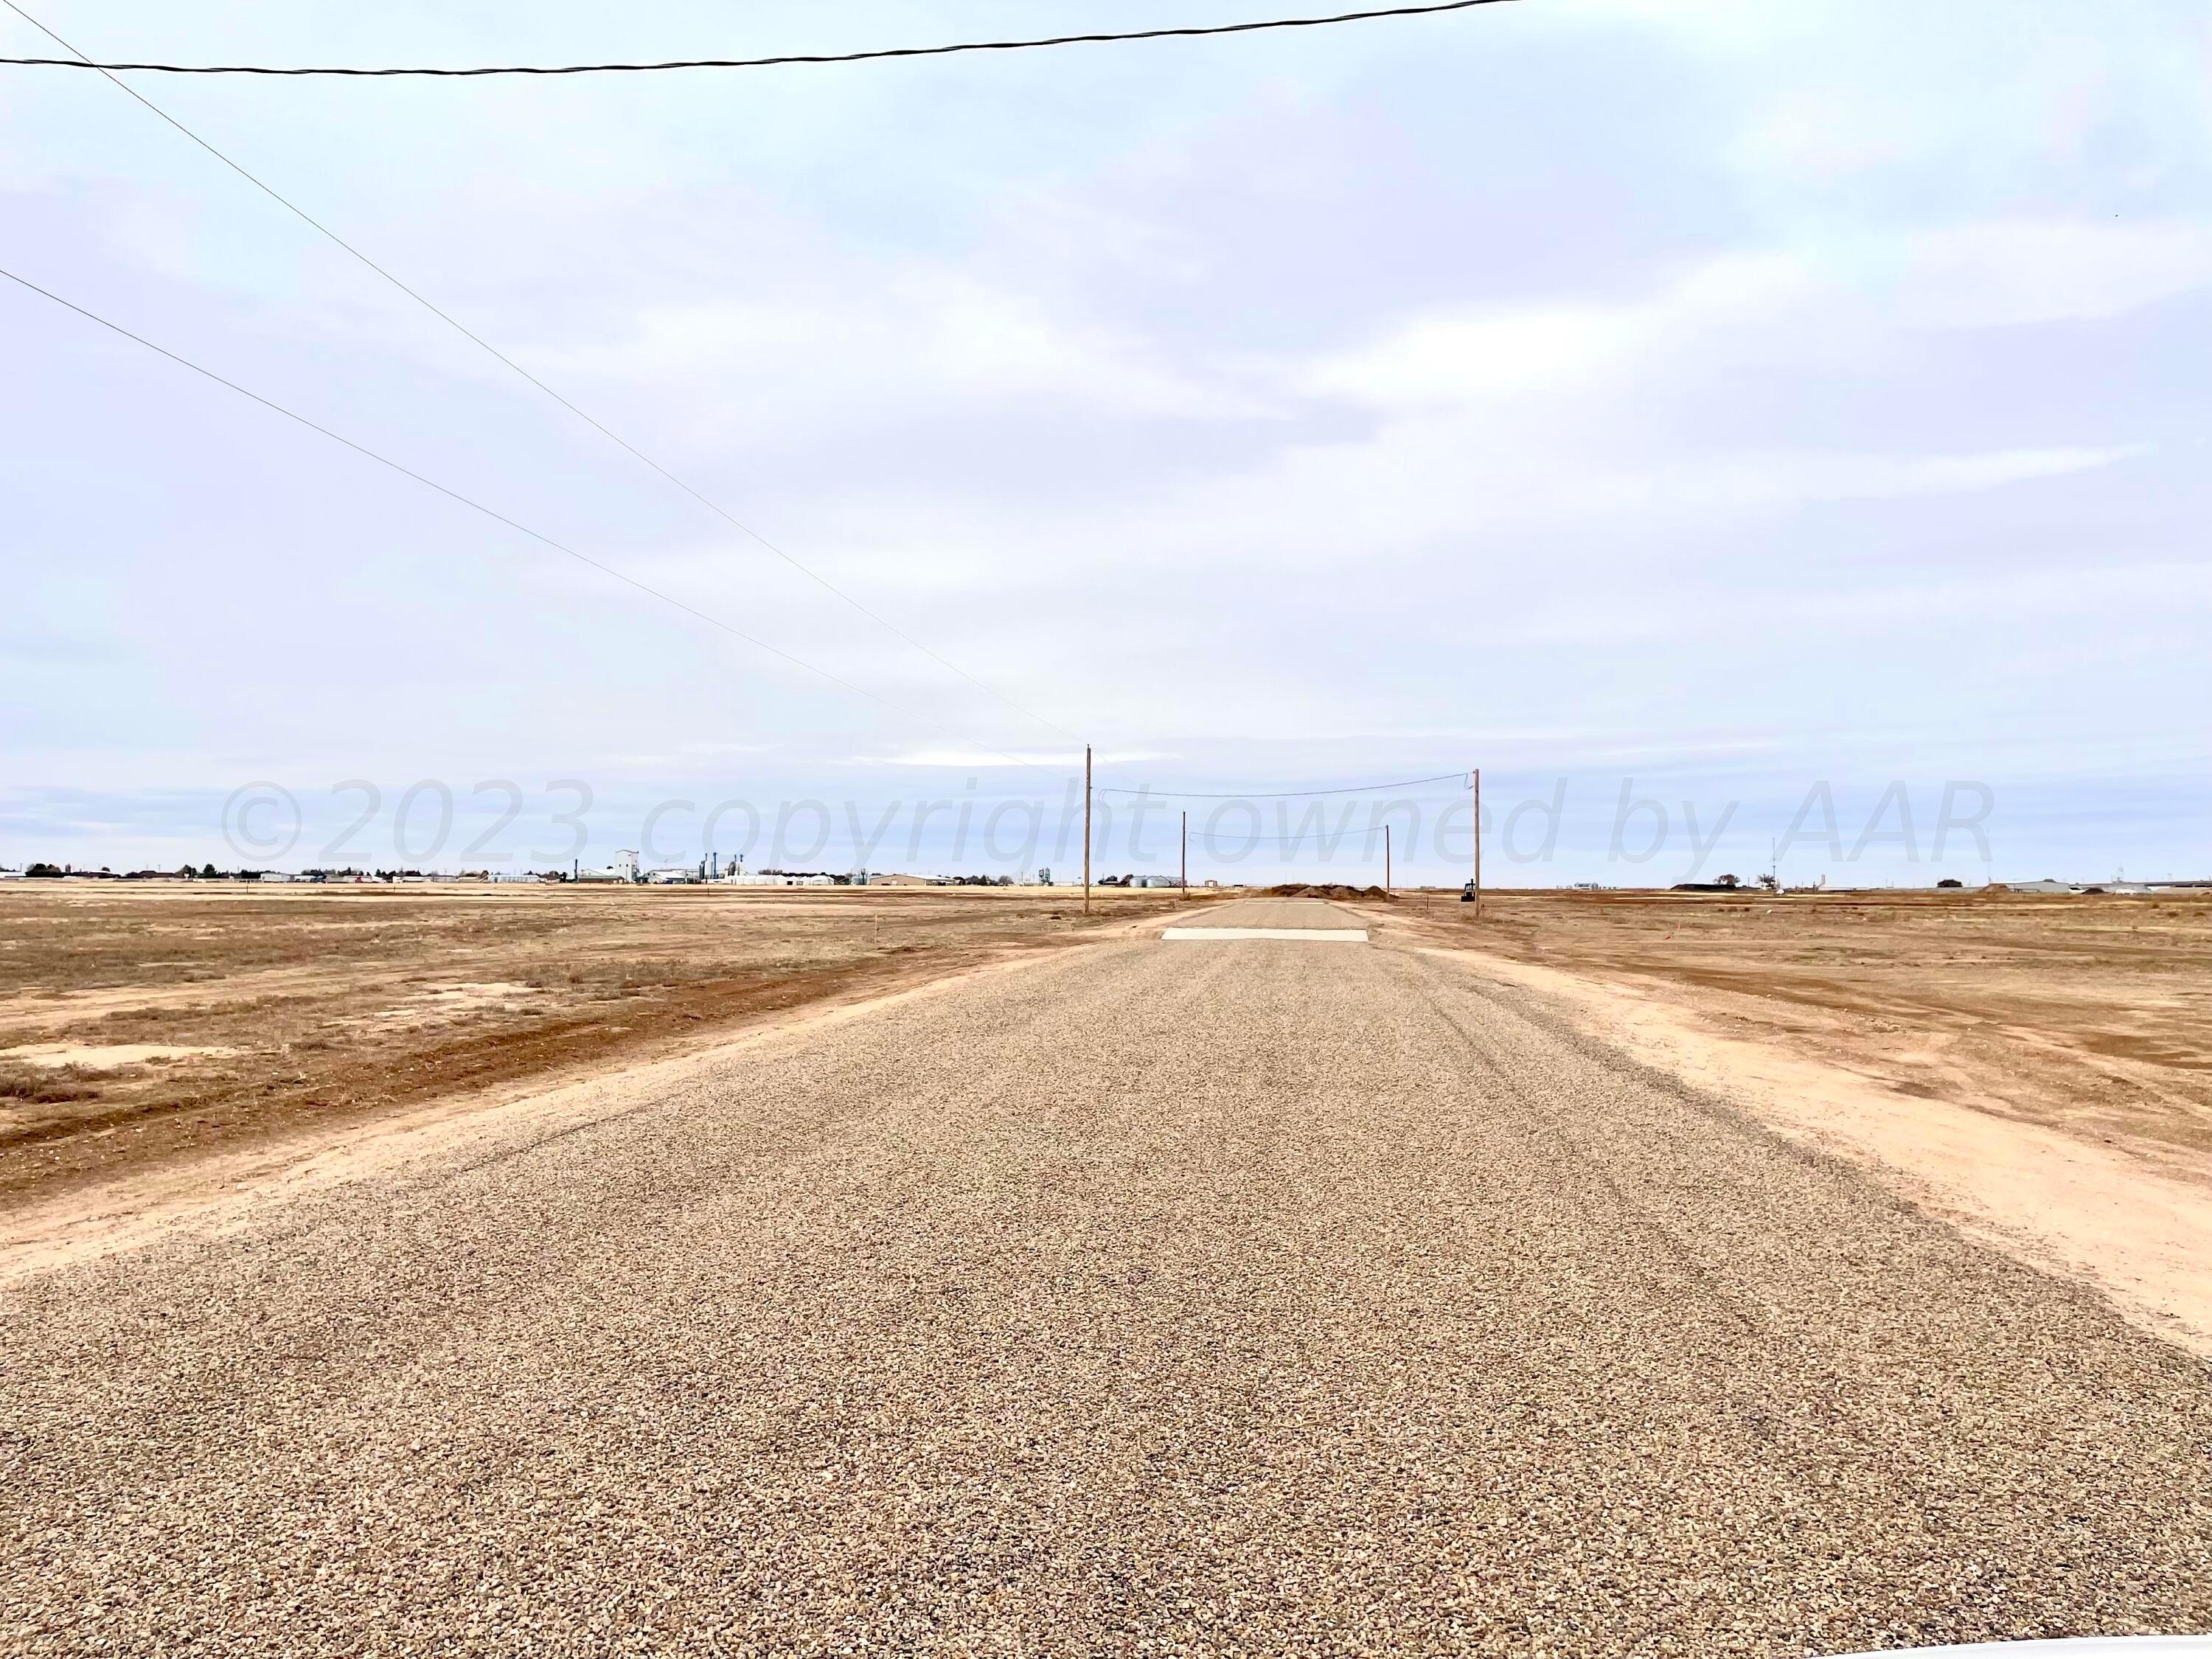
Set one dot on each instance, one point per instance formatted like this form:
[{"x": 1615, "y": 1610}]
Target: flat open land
[
  {"x": 1218, "y": 1296},
  {"x": 2036, "y": 1069},
  {"x": 2087, "y": 1013},
  {"x": 146, "y": 1022}
]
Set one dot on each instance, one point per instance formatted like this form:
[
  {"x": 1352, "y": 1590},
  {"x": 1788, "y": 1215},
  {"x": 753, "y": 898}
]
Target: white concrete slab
[{"x": 1321, "y": 935}]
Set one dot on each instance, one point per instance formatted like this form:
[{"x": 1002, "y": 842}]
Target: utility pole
[
  {"x": 1086, "y": 828},
  {"x": 1186, "y": 857},
  {"x": 1386, "y": 860},
  {"x": 1478, "y": 843}
]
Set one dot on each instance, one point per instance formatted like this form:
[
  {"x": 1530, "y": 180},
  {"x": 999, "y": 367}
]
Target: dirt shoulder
[
  {"x": 156, "y": 1025},
  {"x": 228, "y": 1189},
  {"x": 2037, "y": 1070},
  {"x": 2088, "y": 1014}
]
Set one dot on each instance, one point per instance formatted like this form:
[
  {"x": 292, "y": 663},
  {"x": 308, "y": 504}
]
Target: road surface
[{"x": 1263, "y": 1297}]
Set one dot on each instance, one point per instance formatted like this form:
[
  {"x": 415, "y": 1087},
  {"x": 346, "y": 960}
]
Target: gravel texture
[{"x": 1269, "y": 1298}]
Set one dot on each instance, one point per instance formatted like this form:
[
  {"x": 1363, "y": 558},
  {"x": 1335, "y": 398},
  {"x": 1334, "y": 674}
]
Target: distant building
[
  {"x": 879, "y": 879},
  {"x": 624, "y": 868}
]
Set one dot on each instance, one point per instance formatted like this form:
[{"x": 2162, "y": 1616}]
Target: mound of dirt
[{"x": 1326, "y": 890}]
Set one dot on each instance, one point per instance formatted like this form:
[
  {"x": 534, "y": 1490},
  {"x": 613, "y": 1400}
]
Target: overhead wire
[
  {"x": 494, "y": 514},
  {"x": 1370, "y": 833},
  {"x": 80, "y": 60},
  {"x": 590, "y": 420},
  {"x": 1276, "y": 794},
  {"x": 1208, "y": 836},
  {"x": 877, "y": 54}
]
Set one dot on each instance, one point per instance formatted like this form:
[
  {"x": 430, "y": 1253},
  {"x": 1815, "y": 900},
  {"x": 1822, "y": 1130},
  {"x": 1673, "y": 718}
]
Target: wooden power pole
[
  {"x": 1478, "y": 843},
  {"x": 1385, "y": 860},
  {"x": 1186, "y": 857},
  {"x": 1086, "y": 828}
]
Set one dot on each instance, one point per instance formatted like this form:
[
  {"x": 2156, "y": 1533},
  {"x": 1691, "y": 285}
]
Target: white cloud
[
  {"x": 1791, "y": 477},
  {"x": 1815, "y": 305},
  {"x": 986, "y": 760},
  {"x": 1456, "y": 359},
  {"x": 926, "y": 342},
  {"x": 1296, "y": 396},
  {"x": 2009, "y": 272}
]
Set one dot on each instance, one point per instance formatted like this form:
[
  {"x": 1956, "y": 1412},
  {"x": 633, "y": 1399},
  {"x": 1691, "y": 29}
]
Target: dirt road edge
[
  {"x": 2141, "y": 1239},
  {"x": 226, "y": 1191}
]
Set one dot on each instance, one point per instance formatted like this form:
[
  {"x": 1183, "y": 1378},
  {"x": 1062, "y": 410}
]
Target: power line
[
  {"x": 1280, "y": 794},
  {"x": 1371, "y": 835},
  {"x": 478, "y": 340},
  {"x": 513, "y": 524},
  {"x": 1368, "y": 834},
  {"x": 1184, "y": 34}
]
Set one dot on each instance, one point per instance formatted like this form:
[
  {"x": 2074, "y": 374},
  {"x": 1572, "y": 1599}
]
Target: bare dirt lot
[
  {"x": 2090, "y": 1014},
  {"x": 2036, "y": 1070},
  {"x": 146, "y": 1022},
  {"x": 1249, "y": 1296},
  {"x": 139, "y": 1022},
  {"x": 1235, "y": 1296}
]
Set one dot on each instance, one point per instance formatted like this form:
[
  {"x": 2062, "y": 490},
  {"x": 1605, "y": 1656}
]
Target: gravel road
[{"x": 1254, "y": 1298}]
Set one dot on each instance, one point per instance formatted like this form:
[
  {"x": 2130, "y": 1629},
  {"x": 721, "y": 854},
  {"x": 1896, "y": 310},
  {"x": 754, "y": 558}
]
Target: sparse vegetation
[{"x": 41, "y": 1086}]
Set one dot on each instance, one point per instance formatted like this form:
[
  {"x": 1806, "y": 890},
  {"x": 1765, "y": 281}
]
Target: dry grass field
[{"x": 144, "y": 1022}]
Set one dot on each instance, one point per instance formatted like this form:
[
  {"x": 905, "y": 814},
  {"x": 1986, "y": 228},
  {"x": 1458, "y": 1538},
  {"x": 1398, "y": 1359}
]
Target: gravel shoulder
[
  {"x": 2138, "y": 1231},
  {"x": 1263, "y": 1297}
]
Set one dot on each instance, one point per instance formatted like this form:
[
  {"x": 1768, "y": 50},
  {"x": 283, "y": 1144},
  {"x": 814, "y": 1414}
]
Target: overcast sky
[{"x": 1715, "y": 400}]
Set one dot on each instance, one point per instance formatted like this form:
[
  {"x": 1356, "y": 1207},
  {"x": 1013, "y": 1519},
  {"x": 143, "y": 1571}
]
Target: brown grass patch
[{"x": 39, "y": 1086}]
